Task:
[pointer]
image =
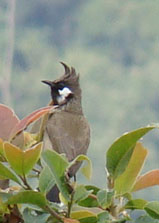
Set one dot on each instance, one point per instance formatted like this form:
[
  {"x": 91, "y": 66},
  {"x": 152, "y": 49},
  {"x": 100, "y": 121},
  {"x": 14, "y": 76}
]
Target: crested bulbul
[{"x": 67, "y": 130}]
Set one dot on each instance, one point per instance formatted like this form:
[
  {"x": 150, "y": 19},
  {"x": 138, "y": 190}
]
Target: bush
[{"x": 27, "y": 173}]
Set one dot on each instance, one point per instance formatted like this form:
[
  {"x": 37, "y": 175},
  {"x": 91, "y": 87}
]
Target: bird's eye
[{"x": 61, "y": 85}]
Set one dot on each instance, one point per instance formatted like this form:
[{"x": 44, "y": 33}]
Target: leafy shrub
[{"x": 27, "y": 173}]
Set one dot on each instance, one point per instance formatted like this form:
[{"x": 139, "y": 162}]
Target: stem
[
  {"x": 36, "y": 170},
  {"x": 114, "y": 209},
  {"x": 53, "y": 213},
  {"x": 110, "y": 182},
  {"x": 92, "y": 196},
  {"x": 70, "y": 205},
  {"x": 28, "y": 187}
]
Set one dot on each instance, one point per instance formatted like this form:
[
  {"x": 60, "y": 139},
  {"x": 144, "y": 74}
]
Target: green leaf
[
  {"x": 93, "y": 188},
  {"x": 58, "y": 165},
  {"x": 90, "y": 201},
  {"x": 80, "y": 193},
  {"x": 152, "y": 208},
  {"x": 46, "y": 180},
  {"x": 6, "y": 173},
  {"x": 89, "y": 219},
  {"x": 11, "y": 152},
  {"x": 136, "y": 204},
  {"x": 69, "y": 220},
  {"x": 1, "y": 147},
  {"x": 128, "y": 196},
  {"x": 28, "y": 197},
  {"x": 87, "y": 168},
  {"x": 103, "y": 217},
  {"x": 31, "y": 156},
  {"x": 4, "y": 196},
  {"x": 29, "y": 216},
  {"x": 83, "y": 214},
  {"x": 125, "y": 182},
  {"x": 119, "y": 153},
  {"x": 104, "y": 198},
  {"x": 25, "y": 160},
  {"x": 146, "y": 219}
]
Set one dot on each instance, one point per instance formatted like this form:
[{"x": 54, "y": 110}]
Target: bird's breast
[{"x": 69, "y": 133}]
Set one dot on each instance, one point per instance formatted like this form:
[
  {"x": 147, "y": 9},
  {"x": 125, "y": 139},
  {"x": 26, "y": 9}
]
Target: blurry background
[{"x": 114, "y": 45}]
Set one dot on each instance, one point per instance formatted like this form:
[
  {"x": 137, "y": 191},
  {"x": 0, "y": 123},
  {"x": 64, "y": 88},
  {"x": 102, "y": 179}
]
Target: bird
[{"x": 67, "y": 130}]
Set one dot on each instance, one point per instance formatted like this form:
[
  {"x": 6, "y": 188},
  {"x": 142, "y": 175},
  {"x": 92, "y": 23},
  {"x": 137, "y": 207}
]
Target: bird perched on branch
[{"x": 67, "y": 130}]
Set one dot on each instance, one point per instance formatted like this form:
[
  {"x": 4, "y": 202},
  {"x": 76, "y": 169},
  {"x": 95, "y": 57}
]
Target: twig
[
  {"x": 28, "y": 187},
  {"x": 53, "y": 213},
  {"x": 93, "y": 196},
  {"x": 36, "y": 170},
  {"x": 70, "y": 205}
]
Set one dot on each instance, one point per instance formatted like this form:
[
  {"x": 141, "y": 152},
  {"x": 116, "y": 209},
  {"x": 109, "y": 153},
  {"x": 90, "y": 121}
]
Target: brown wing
[{"x": 68, "y": 133}]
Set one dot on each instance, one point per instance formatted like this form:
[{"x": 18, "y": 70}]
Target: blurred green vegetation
[{"x": 115, "y": 47}]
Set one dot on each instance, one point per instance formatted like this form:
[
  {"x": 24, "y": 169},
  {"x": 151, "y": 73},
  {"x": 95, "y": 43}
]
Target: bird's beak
[{"x": 50, "y": 83}]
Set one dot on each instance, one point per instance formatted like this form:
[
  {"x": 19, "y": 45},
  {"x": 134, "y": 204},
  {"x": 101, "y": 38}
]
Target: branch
[
  {"x": 53, "y": 213},
  {"x": 27, "y": 186},
  {"x": 70, "y": 205}
]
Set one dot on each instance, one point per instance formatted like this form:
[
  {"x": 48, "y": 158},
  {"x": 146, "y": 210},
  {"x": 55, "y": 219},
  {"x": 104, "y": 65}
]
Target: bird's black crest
[{"x": 67, "y": 69}]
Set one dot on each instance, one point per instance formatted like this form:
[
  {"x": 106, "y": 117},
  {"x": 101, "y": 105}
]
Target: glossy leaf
[
  {"x": 147, "y": 180},
  {"x": 46, "y": 180},
  {"x": 119, "y": 153},
  {"x": 22, "y": 124},
  {"x": 80, "y": 193},
  {"x": 69, "y": 220},
  {"x": 4, "y": 196},
  {"x": 104, "y": 198},
  {"x": 1, "y": 147},
  {"x": 82, "y": 214},
  {"x": 28, "y": 197},
  {"x": 58, "y": 165},
  {"x": 22, "y": 161},
  {"x": 87, "y": 168},
  {"x": 14, "y": 156},
  {"x": 31, "y": 156},
  {"x": 62, "y": 199},
  {"x": 146, "y": 219},
  {"x": 136, "y": 204},
  {"x": 152, "y": 208},
  {"x": 125, "y": 182},
  {"x": 90, "y": 201},
  {"x": 92, "y": 219},
  {"x": 8, "y": 120},
  {"x": 29, "y": 139},
  {"x": 103, "y": 217},
  {"x": 3, "y": 208},
  {"x": 30, "y": 217},
  {"x": 6, "y": 173}
]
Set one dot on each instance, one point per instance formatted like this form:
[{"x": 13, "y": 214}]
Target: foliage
[
  {"x": 22, "y": 159},
  {"x": 114, "y": 47}
]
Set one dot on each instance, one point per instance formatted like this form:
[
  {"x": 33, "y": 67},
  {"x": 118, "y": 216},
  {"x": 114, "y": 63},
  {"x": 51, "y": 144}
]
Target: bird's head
[{"x": 66, "y": 87}]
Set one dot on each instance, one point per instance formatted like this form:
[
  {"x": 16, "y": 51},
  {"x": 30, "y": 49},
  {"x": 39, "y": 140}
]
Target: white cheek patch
[{"x": 64, "y": 93}]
